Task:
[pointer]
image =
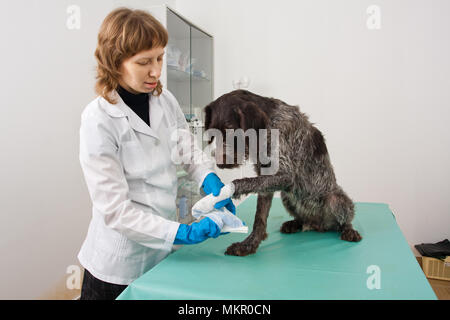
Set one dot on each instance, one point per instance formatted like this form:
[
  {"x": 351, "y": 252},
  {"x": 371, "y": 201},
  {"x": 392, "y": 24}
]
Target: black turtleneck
[{"x": 137, "y": 102}]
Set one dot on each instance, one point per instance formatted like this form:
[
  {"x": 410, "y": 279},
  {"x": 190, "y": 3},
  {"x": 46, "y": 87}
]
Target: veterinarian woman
[{"x": 125, "y": 154}]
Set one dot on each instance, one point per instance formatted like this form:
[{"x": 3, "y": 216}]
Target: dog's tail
[{"x": 340, "y": 206}]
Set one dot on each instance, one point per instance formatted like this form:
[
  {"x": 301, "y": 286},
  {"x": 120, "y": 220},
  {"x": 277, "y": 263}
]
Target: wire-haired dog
[{"x": 304, "y": 176}]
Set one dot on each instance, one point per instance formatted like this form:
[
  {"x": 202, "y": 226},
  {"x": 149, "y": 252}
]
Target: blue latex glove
[
  {"x": 197, "y": 232},
  {"x": 213, "y": 184},
  {"x": 227, "y": 203}
]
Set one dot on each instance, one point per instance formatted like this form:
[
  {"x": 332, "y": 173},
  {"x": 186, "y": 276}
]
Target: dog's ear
[
  {"x": 251, "y": 116},
  {"x": 208, "y": 120},
  {"x": 207, "y": 116}
]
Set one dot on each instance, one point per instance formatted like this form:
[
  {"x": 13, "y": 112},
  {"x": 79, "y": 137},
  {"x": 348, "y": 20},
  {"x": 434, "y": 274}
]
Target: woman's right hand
[{"x": 197, "y": 232}]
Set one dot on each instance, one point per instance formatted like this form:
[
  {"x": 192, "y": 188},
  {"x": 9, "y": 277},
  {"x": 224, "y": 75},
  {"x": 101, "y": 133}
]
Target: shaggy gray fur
[{"x": 305, "y": 176}]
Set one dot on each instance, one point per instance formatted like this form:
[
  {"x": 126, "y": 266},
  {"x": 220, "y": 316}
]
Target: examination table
[{"x": 303, "y": 265}]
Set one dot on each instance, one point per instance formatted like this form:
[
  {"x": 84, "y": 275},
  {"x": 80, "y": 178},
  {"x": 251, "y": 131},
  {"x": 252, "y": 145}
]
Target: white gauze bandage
[{"x": 225, "y": 220}]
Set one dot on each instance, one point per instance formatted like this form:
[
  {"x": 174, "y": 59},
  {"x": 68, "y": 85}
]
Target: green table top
[{"x": 303, "y": 265}]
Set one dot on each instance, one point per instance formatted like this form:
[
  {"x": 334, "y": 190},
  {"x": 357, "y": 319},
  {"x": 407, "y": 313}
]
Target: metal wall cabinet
[{"x": 187, "y": 73}]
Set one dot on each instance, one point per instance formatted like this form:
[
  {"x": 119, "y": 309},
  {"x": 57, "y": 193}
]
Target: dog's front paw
[{"x": 240, "y": 249}]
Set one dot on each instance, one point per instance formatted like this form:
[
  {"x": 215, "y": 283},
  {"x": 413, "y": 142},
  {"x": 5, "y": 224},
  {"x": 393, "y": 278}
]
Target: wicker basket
[{"x": 436, "y": 269}]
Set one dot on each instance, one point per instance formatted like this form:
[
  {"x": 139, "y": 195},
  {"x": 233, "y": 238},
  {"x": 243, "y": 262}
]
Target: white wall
[{"x": 380, "y": 97}]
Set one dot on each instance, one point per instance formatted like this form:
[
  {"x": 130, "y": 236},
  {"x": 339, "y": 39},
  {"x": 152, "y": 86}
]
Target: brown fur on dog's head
[{"x": 238, "y": 109}]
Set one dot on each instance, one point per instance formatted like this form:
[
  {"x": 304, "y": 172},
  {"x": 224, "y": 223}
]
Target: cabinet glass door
[
  {"x": 201, "y": 77},
  {"x": 179, "y": 60},
  {"x": 189, "y": 78},
  {"x": 179, "y": 84}
]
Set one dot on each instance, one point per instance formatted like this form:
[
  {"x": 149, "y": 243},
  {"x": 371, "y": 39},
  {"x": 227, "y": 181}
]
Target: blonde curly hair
[{"x": 124, "y": 33}]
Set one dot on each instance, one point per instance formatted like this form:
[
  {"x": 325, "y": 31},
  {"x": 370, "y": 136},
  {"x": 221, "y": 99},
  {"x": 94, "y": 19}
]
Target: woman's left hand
[{"x": 213, "y": 184}]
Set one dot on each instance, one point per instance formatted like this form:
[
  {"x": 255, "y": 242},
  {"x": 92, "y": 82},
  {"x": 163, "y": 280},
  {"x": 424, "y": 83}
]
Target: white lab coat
[{"x": 132, "y": 183}]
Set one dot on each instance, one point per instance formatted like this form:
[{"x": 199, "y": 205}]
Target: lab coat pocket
[{"x": 133, "y": 158}]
